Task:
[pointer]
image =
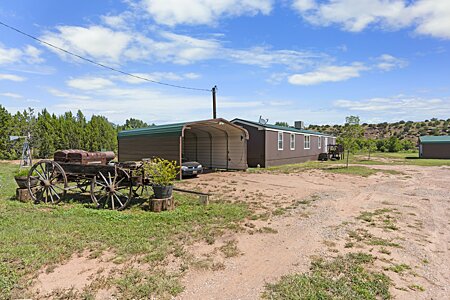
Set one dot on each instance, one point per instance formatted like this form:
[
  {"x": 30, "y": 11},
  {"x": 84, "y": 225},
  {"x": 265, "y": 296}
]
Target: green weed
[{"x": 345, "y": 277}]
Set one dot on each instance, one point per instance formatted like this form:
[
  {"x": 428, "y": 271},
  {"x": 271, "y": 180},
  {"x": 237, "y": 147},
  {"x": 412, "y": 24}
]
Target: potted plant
[
  {"x": 162, "y": 174},
  {"x": 21, "y": 178}
]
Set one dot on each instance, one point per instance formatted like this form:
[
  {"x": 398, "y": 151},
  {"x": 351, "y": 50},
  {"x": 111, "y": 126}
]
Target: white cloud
[
  {"x": 157, "y": 76},
  {"x": 119, "y": 21},
  {"x": 277, "y": 78},
  {"x": 29, "y": 54},
  {"x": 119, "y": 46},
  {"x": 429, "y": 17},
  {"x": 194, "y": 12},
  {"x": 12, "y": 77},
  {"x": 89, "y": 83},
  {"x": 398, "y": 107},
  {"x": 304, "y": 5},
  {"x": 264, "y": 57},
  {"x": 94, "y": 41},
  {"x": 32, "y": 55},
  {"x": 147, "y": 104},
  {"x": 388, "y": 62},
  {"x": 328, "y": 74},
  {"x": 183, "y": 49},
  {"x": 10, "y": 55},
  {"x": 11, "y": 95},
  {"x": 71, "y": 97}
]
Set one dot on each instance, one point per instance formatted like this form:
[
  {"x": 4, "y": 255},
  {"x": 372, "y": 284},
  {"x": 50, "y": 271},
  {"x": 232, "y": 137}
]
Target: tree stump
[
  {"x": 158, "y": 205},
  {"x": 23, "y": 195}
]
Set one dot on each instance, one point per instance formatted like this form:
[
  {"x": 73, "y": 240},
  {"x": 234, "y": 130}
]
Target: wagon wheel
[
  {"x": 52, "y": 182},
  {"x": 111, "y": 189},
  {"x": 84, "y": 184},
  {"x": 143, "y": 190}
]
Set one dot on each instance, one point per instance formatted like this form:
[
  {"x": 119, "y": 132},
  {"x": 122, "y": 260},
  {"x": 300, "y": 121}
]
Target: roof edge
[{"x": 281, "y": 128}]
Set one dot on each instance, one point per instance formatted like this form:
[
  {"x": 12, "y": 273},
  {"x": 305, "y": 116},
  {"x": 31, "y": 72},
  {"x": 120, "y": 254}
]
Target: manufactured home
[
  {"x": 272, "y": 145},
  {"x": 434, "y": 146},
  {"x": 214, "y": 143}
]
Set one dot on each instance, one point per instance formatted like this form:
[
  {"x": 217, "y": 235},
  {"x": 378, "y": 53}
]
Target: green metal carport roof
[
  {"x": 175, "y": 128},
  {"x": 431, "y": 139}
]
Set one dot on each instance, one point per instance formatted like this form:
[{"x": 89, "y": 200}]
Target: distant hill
[{"x": 403, "y": 129}]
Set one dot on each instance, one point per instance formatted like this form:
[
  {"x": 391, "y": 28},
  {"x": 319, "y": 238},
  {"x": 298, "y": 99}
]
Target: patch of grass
[
  {"x": 376, "y": 241},
  {"x": 136, "y": 284},
  {"x": 362, "y": 235},
  {"x": 33, "y": 236},
  {"x": 230, "y": 249},
  {"x": 359, "y": 171},
  {"x": 267, "y": 230},
  {"x": 293, "y": 168},
  {"x": 416, "y": 287},
  {"x": 399, "y": 268},
  {"x": 349, "y": 245},
  {"x": 379, "y": 217},
  {"x": 279, "y": 211},
  {"x": 205, "y": 264},
  {"x": 404, "y": 158},
  {"x": 345, "y": 277}
]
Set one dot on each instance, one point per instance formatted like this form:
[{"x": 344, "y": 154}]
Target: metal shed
[
  {"x": 434, "y": 146},
  {"x": 214, "y": 143}
]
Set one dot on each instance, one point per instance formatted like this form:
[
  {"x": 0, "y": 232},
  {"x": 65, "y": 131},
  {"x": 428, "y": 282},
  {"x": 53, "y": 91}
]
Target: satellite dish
[{"x": 263, "y": 121}]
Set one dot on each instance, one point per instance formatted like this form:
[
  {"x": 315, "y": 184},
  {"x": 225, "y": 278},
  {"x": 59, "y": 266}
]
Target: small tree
[
  {"x": 371, "y": 146},
  {"x": 284, "y": 124},
  {"x": 351, "y": 132}
]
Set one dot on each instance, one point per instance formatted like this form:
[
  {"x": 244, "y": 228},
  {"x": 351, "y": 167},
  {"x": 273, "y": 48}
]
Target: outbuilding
[
  {"x": 214, "y": 143},
  {"x": 272, "y": 145},
  {"x": 434, "y": 146}
]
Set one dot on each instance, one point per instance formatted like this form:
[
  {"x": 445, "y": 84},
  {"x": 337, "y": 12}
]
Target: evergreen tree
[{"x": 5, "y": 131}]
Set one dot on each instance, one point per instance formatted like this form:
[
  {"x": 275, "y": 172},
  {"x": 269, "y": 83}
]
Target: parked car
[{"x": 191, "y": 168}]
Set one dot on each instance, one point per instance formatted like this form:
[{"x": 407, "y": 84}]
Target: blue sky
[{"x": 316, "y": 61}]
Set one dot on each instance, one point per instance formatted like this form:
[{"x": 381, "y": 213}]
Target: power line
[{"x": 100, "y": 64}]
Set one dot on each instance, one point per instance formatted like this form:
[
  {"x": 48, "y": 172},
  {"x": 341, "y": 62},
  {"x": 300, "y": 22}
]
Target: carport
[{"x": 215, "y": 143}]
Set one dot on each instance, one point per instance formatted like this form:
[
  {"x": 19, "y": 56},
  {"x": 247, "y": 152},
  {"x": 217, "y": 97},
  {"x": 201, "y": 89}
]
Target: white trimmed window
[
  {"x": 280, "y": 141},
  {"x": 307, "y": 144},
  {"x": 320, "y": 142},
  {"x": 292, "y": 141}
]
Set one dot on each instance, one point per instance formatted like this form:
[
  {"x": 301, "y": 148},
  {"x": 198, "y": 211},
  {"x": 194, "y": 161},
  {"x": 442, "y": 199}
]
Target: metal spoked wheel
[
  {"x": 111, "y": 189},
  {"x": 52, "y": 182}
]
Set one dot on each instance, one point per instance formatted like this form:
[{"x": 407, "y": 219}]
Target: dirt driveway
[{"x": 402, "y": 219}]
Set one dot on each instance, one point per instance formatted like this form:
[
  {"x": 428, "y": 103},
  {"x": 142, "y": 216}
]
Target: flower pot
[
  {"x": 22, "y": 181},
  {"x": 162, "y": 191}
]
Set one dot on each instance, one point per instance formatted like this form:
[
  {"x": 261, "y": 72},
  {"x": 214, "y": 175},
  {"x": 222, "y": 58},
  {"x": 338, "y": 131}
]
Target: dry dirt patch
[
  {"x": 320, "y": 214},
  {"x": 72, "y": 276}
]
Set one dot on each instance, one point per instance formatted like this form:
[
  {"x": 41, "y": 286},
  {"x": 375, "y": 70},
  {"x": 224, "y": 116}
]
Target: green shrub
[
  {"x": 161, "y": 171},
  {"x": 23, "y": 172}
]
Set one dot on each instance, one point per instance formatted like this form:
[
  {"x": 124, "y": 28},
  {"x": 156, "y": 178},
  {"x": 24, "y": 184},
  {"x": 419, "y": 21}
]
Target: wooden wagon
[{"x": 110, "y": 184}]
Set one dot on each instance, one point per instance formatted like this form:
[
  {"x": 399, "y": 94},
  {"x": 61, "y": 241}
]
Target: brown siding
[
  {"x": 436, "y": 151},
  {"x": 255, "y": 146},
  {"x": 139, "y": 147},
  {"x": 276, "y": 157}
]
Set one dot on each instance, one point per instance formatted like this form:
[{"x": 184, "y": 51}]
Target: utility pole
[{"x": 214, "y": 90}]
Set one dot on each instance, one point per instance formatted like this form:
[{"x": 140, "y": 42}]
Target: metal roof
[
  {"x": 177, "y": 128},
  {"x": 432, "y": 139},
  {"x": 277, "y": 127}
]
